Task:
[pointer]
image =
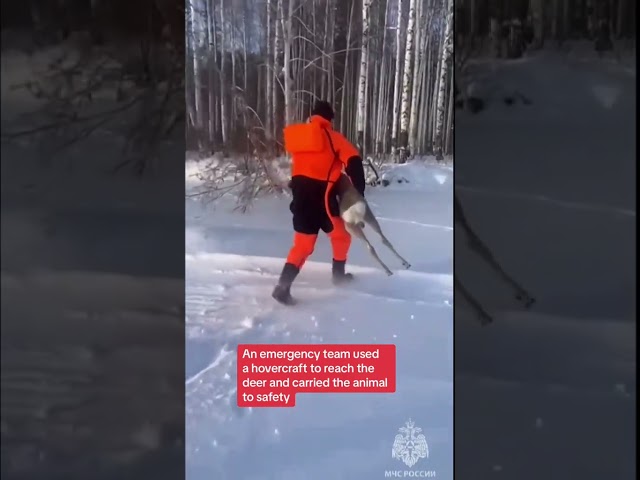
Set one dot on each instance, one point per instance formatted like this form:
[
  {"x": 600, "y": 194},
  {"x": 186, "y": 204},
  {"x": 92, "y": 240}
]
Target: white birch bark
[
  {"x": 380, "y": 133},
  {"x": 269, "y": 73},
  {"x": 364, "y": 67},
  {"x": 197, "y": 86},
  {"x": 332, "y": 77},
  {"x": 381, "y": 105},
  {"x": 396, "y": 81},
  {"x": 418, "y": 60},
  {"x": 449, "y": 130},
  {"x": 224, "y": 121},
  {"x": 324, "y": 87},
  {"x": 406, "y": 81},
  {"x": 211, "y": 71},
  {"x": 447, "y": 47},
  {"x": 345, "y": 78},
  {"x": 277, "y": 52},
  {"x": 287, "y": 33}
]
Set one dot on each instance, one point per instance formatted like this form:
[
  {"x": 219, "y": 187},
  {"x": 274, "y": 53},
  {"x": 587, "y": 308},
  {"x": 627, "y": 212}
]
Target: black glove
[{"x": 355, "y": 171}]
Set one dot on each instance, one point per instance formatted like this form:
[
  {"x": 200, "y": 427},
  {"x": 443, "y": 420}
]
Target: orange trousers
[{"x": 304, "y": 244}]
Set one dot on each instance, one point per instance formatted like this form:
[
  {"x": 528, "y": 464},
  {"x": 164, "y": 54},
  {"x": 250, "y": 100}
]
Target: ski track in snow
[
  {"x": 413, "y": 222},
  {"x": 543, "y": 198}
]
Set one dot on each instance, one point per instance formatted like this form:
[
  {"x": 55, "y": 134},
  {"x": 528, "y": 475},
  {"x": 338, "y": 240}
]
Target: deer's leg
[
  {"x": 485, "y": 318},
  {"x": 375, "y": 226},
  {"x": 340, "y": 240},
  {"x": 481, "y": 249},
  {"x": 357, "y": 232}
]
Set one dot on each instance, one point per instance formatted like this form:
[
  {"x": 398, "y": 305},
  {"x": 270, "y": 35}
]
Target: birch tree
[
  {"x": 224, "y": 120},
  {"x": 261, "y": 64},
  {"x": 197, "y": 77},
  {"x": 277, "y": 85},
  {"x": 406, "y": 82},
  {"x": 364, "y": 69},
  {"x": 396, "y": 81},
  {"x": 537, "y": 18},
  {"x": 211, "y": 62},
  {"x": 442, "y": 81},
  {"x": 418, "y": 60},
  {"x": 347, "y": 70},
  {"x": 269, "y": 75},
  {"x": 287, "y": 32},
  {"x": 383, "y": 89}
]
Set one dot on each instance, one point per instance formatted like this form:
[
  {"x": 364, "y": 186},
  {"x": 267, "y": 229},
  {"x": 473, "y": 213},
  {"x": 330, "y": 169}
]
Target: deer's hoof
[{"x": 526, "y": 299}]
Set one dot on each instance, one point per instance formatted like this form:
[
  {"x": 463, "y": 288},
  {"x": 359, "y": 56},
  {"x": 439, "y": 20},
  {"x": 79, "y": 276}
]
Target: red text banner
[{"x": 272, "y": 375}]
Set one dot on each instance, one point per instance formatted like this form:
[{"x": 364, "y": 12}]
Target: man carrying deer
[{"x": 318, "y": 156}]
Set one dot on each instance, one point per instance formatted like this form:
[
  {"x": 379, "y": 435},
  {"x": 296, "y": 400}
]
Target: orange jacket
[{"x": 310, "y": 147}]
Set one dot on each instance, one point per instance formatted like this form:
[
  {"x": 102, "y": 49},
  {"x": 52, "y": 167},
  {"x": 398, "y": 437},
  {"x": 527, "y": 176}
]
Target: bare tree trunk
[
  {"x": 427, "y": 96},
  {"x": 331, "y": 86},
  {"x": 244, "y": 53},
  {"x": 415, "y": 82},
  {"x": 566, "y": 20},
  {"x": 621, "y": 16},
  {"x": 211, "y": 43},
  {"x": 324, "y": 87},
  {"x": 288, "y": 40},
  {"x": 380, "y": 130},
  {"x": 345, "y": 78},
  {"x": 223, "y": 102},
  {"x": 362, "y": 83},
  {"x": 449, "y": 129},
  {"x": 603, "y": 41},
  {"x": 447, "y": 47},
  {"x": 473, "y": 19},
  {"x": 555, "y": 9},
  {"x": 247, "y": 86},
  {"x": 591, "y": 25},
  {"x": 396, "y": 82},
  {"x": 269, "y": 94},
  {"x": 495, "y": 21},
  {"x": 197, "y": 75},
  {"x": 537, "y": 18},
  {"x": 434, "y": 92},
  {"x": 277, "y": 88},
  {"x": 406, "y": 83}
]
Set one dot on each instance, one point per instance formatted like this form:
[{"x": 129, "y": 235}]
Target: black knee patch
[{"x": 308, "y": 206}]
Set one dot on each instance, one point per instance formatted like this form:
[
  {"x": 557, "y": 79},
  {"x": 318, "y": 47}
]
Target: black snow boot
[
  {"x": 339, "y": 276},
  {"x": 282, "y": 292}
]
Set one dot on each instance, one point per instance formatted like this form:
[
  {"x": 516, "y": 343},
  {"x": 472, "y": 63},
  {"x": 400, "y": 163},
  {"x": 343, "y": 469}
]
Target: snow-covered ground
[
  {"x": 551, "y": 187},
  {"x": 232, "y": 264},
  {"x": 91, "y": 306}
]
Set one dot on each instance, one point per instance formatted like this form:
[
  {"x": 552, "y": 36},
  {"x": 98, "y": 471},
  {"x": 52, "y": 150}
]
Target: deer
[
  {"x": 481, "y": 249},
  {"x": 356, "y": 213}
]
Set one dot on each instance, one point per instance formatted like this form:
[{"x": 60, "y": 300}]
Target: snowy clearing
[
  {"x": 232, "y": 264},
  {"x": 90, "y": 318},
  {"x": 550, "y": 393}
]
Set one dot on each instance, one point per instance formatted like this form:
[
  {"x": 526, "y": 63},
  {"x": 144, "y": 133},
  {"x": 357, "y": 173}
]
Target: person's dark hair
[{"x": 323, "y": 109}]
